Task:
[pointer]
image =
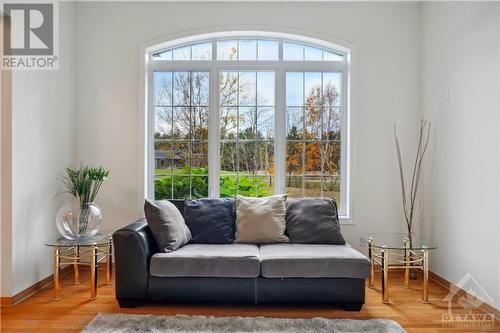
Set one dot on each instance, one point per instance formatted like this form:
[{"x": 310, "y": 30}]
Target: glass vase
[{"x": 75, "y": 220}]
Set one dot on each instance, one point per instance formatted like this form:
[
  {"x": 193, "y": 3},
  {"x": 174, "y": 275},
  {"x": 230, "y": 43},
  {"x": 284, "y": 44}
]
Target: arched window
[{"x": 250, "y": 114}]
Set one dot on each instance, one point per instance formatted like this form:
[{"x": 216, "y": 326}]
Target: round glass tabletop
[
  {"x": 99, "y": 239},
  {"x": 397, "y": 241}
]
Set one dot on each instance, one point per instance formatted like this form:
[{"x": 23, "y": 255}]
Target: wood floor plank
[{"x": 40, "y": 313}]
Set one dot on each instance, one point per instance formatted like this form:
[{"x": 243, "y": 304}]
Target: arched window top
[{"x": 266, "y": 47}]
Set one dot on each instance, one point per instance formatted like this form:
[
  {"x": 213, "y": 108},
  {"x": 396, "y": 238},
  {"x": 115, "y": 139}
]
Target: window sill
[{"x": 346, "y": 220}]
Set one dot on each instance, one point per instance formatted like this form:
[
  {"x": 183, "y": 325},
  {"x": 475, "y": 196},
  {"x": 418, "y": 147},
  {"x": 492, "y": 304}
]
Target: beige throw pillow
[{"x": 261, "y": 220}]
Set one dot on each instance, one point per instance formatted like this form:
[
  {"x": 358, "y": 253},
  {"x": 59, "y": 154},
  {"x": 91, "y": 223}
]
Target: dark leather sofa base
[
  {"x": 202, "y": 290},
  {"x": 347, "y": 293},
  {"x": 311, "y": 291}
]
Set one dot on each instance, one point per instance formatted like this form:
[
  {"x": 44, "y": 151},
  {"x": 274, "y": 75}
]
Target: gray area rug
[{"x": 127, "y": 323}]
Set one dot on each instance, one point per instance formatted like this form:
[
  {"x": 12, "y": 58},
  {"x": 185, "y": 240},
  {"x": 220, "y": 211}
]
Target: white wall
[
  {"x": 42, "y": 145},
  {"x": 5, "y": 181},
  {"x": 461, "y": 63},
  {"x": 386, "y": 37}
]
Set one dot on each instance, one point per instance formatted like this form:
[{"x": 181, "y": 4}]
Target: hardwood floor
[{"x": 40, "y": 313}]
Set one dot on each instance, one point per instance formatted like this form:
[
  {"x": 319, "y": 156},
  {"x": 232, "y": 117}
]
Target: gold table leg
[
  {"x": 57, "y": 271},
  {"x": 406, "y": 281},
  {"x": 76, "y": 261},
  {"x": 371, "y": 283},
  {"x": 109, "y": 262},
  {"x": 385, "y": 276},
  {"x": 93, "y": 273},
  {"x": 425, "y": 278}
]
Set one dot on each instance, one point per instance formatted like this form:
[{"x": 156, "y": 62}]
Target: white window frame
[{"x": 280, "y": 67}]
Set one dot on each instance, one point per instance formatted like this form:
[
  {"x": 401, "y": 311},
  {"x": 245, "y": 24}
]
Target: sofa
[{"x": 236, "y": 273}]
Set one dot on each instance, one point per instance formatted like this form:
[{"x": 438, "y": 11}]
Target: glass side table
[
  {"x": 397, "y": 251},
  {"x": 71, "y": 252}
]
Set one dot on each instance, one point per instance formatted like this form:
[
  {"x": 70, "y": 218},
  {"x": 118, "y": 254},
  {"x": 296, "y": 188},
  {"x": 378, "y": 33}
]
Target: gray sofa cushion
[
  {"x": 208, "y": 260},
  {"x": 313, "y": 261},
  {"x": 167, "y": 224},
  {"x": 313, "y": 221},
  {"x": 260, "y": 220},
  {"x": 211, "y": 221}
]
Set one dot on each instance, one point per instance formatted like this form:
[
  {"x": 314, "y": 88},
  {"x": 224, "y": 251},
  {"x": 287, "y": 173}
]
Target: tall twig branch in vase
[{"x": 411, "y": 194}]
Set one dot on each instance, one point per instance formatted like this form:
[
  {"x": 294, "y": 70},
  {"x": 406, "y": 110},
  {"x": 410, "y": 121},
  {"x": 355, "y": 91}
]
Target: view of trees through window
[
  {"x": 247, "y": 130},
  {"x": 313, "y": 134},
  {"x": 247, "y": 133},
  {"x": 181, "y": 134}
]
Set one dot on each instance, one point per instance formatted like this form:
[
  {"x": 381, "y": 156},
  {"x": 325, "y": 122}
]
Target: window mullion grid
[
  {"x": 321, "y": 143},
  {"x": 304, "y": 137},
  {"x": 172, "y": 139},
  {"x": 280, "y": 139},
  {"x": 257, "y": 49},
  {"x": 213, "y": 128},
  {"x": 280, "y": 131},
  {"x": 280, "y": 125},
  {"x": 191, "y": 134},
  {"x": 280, "y": 50},
  {"x": 254, "y": 171},
  {"x": 289, "y": 65},
  {"x": 150, "y": 136},
  {"x": 237, "y": 133},
  {"x": 213, "y": 134},
  {"x": 344, "y": 148}
]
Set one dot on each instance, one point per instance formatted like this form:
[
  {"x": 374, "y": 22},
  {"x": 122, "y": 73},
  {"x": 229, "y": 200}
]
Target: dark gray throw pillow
[
  {"x": 211, "y": 221},
  {"x": 167, "y": 224},
  {"x": 313, "y": 221}
]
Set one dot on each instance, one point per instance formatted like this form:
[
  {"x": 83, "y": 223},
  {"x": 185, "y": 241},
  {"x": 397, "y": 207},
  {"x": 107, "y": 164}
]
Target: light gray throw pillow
[
  {"x": 260, "y": 220},
  {"x": 167, "y": 224},
  {"x": 313, "y": 221}
]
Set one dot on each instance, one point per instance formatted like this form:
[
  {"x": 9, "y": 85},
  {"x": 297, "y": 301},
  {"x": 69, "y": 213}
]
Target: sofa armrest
[{"x": 133, "y": 245}]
